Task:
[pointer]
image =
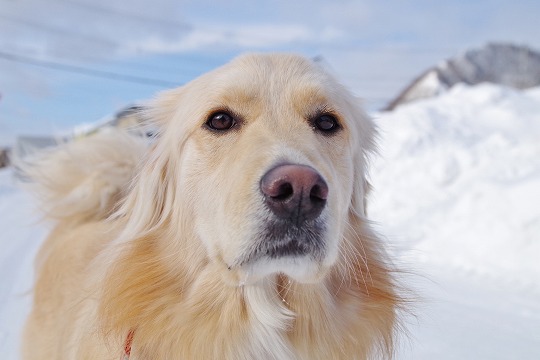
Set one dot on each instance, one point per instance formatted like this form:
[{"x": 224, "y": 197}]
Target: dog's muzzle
[{"x": 296, "y": 195}]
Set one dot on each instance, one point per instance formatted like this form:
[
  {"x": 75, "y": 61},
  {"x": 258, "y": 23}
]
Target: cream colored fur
[{"x": 148, "y": 238}]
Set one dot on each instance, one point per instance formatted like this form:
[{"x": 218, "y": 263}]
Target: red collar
[{"x": 127, "y": 345}]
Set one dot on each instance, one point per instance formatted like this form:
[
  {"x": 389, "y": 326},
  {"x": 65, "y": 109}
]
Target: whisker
[
  {"x": 364, "y": 258},
  {"x": 354, "y": 253},
  {"x": 342, "y": 274}
]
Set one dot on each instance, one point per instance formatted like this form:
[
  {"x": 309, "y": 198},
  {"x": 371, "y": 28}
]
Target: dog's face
[{"x": 268, "y": 152}]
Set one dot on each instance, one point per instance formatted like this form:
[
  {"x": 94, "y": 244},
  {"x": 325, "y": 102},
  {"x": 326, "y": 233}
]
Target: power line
[
  {"x": 76, "y": 36},
  {"x": 130, "y": 15},
  {"x": 86, "y": 71}
]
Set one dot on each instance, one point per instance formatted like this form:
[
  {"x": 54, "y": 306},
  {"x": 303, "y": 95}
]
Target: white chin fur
[{"x": 302, "y": 269}]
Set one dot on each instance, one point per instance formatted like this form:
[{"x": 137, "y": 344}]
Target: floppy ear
[
  {"x": 150, "y": 202},
  {"x": 364, "y": 133},
  {"x": 370, "y": 272}
]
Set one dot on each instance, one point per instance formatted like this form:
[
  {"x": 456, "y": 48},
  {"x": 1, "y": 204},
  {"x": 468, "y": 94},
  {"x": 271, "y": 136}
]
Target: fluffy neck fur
[{"x": 189, "y": 312}]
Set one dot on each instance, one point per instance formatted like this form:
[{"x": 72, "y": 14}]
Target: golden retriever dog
[{"x": 240, "y": 232}]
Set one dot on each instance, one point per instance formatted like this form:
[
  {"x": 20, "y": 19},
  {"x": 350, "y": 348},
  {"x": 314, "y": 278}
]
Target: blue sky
[{"x": 373, "y": 47}]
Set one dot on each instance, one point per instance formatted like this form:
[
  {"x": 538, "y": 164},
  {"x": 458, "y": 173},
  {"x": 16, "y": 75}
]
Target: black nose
[{"x": 294, "y": 192}]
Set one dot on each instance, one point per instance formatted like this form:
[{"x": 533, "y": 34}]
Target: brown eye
[
  {"x": 326, "y": 123},
  {"x": 220, "y": 121}
]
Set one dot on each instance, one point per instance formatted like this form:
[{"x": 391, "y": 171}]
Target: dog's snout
[{"x": 295, "y": 192}]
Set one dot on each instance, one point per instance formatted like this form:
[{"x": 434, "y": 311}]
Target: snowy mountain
[
  {"x": 503, "y": 64},
  {"x": 456, "y": 194}
]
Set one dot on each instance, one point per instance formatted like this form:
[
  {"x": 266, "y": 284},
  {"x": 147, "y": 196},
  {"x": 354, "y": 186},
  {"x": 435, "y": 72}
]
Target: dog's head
[{"x": 262, "y": 160}]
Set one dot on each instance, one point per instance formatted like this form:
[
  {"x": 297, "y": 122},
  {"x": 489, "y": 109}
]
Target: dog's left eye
[
  {"x": 326, "y": 123},
  {"x": 220, "y": 121}
]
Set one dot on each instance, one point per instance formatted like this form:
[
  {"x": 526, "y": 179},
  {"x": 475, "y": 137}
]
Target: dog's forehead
[
  {"x": 272, "y": 67},
  {"x": 270, "y": 79}
]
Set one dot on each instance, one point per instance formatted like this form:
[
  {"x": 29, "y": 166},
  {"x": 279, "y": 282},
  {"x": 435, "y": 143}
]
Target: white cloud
[
  {"x": 259, "y": 36},
  {"x": 103, "y": 28},
  {"x": 81, "y": 29}
]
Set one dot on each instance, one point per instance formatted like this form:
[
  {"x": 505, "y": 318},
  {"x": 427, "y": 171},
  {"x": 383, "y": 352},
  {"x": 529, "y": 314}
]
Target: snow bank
[{"x": 458, "y": 181}]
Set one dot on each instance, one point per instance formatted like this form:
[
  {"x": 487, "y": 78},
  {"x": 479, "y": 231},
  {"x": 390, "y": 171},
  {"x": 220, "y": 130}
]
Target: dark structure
[{"x": 4, "y": 157}]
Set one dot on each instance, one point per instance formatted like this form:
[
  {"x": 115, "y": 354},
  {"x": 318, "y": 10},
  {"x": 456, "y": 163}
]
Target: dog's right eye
[{"x": 220, "y": 121}]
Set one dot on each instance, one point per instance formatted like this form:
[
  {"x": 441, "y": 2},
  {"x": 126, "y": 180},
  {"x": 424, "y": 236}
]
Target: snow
[
  {"x": 428, "y": 86},
  {"x": 463, "y": 172},
  {"x": 456, "y": 193},
  {"x": 457, "y": 188}
]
